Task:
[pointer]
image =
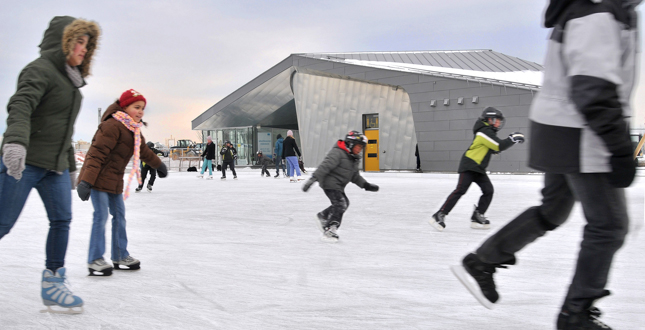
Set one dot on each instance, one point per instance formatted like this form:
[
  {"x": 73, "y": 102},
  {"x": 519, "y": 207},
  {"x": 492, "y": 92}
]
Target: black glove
[
  {"x": 84, "y": 189},
  {"x": 308, "y": 184},
  {"x": 162, "y": 170},
  {"x": 370, "y": 187},
  {"x": 516, "y": 137},
  {"x": 623, "y": 170}
]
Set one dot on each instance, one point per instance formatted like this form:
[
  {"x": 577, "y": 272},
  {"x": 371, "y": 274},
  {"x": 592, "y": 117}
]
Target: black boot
[{"x": 585, "y": 320}]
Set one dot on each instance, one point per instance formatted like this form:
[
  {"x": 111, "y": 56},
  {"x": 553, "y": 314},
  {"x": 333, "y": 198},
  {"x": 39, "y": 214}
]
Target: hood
[
  {"x": 558, "y": 7},
  {"x": 113, "y": 108},
  {"x": 478, "y": 126},
  {"x": 60, "y": 38},
  {"x": 341, "y": 145}
]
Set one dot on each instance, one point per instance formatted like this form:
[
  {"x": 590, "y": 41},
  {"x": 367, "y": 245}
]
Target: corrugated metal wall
[{"x": 329, "y": 107}]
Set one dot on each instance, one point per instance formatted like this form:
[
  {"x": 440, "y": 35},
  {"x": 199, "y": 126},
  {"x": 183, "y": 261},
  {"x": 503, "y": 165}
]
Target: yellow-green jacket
[{"x": 485, "y": 142}]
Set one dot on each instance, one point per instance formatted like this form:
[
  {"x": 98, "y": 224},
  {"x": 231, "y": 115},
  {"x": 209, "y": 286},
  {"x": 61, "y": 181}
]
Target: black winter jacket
[
  {"x": 209, "y": 151},
  {"x": 228, "y": 154},
  {"x": 290, "y": 148}
]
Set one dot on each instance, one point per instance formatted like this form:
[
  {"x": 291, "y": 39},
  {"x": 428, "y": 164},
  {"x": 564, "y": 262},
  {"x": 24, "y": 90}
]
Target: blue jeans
[
  {"x": 208, "y": 163},
  {"x": 279, "y": 165},
  {"x": 104, "y": 202},
  {"x": 56, "y": 193},
  {"x": 292, "y": 164}
]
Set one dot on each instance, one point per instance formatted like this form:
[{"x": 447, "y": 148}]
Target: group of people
[
  {"x": 579, "y": 139},
  {"x": 286, "y": 154},
  {"x": 228, "y": 154}
]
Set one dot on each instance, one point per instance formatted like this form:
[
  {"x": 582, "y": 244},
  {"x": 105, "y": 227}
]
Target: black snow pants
[
  {"x": 465, "y": 179},
  {"x": 144, "y": 173},
  {"x": 339, "y": 204}
]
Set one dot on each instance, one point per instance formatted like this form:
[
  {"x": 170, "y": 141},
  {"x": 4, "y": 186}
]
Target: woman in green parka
[{"x": 37, "y": 147}]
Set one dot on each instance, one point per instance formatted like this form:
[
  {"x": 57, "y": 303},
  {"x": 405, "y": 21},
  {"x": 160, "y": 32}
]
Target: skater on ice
[
  {"x": 580, "y": 139},
  {"x": 208, "y": 155},
  {"x": 265, "y": 162},
  {"x": 145, "y": 168},
  {"x": 277, "y": 156},
  {"x": 229, "y": 155},
  {"x": 289, "y": 152},
  {"x": 338, "y": 168},
  {"x": 117, "y": 139},
  {"x": 472, "y": 168},
  {"x": 36, "y": 149}
]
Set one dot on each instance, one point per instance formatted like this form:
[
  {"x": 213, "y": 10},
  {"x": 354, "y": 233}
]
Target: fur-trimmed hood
[{"x": 60, "y": 38}]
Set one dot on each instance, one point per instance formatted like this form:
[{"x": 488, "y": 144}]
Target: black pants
[
  {"x": 607, "y": 225},
  {"x": 339, "y": 204},
  {"x": 232, "y": 165},
  {"x": 465, "y": 179},
  {"x": 144, "y": 173},
  {"x": 264, "y": 170}
]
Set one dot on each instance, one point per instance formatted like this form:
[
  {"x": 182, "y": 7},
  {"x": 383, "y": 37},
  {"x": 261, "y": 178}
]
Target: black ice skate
[
  {"x": 277, "y": 175},
  {"x": 477, "y": 277},
  {"x": 138, "y": 189},
  {"x": 149, "y": 187},
  {"x": 587, "y": 319},
  {"x": 437, "y": 221},
  {"x": 99, "y": 267},
  {"x": 478, "y": 220},
  {"x": 223, "y": 178},
  {"x": 321, "y": 223},
  {"x": 128, "y": 263}
]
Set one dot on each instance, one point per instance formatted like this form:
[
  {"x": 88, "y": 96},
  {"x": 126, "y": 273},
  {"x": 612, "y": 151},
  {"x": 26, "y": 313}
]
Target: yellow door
[{"x": 371, "y": 150}]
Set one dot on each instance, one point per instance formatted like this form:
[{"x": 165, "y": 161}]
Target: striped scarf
[{"x": 127, "y": 121}]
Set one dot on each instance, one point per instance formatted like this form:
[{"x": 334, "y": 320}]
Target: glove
[
  {"x": 370, "y": 187},
  {"x": 72, "y": 177},
  {"x": 308, "y": 184},
  {"x": 162, "y": 170},
  {"x": 623, "y": 170},
  {"x": 13, "y": 157},
  {"x": 516, "y": 137},
  {"x": 83, "y": 189}
]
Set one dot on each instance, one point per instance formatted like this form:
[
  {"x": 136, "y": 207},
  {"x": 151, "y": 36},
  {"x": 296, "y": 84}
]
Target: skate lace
[{"x": 594, "y": 314}]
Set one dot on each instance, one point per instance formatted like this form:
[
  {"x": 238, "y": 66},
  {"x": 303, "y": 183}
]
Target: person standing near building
[
  {"x": 36, "y": 148},
  {"x": 277, "y": 157},
  {"x": 416, "y": 153},
  {"x": 580, "y": 139},
  {"x": 229, "y": 155},
  {"x": 472, "y": 168},
  {"x": 289, "y": 152},
  {"x": 208, "y": 155}
]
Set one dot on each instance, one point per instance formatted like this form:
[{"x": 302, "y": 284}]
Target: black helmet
[
  {"x": 492, "y": 113},
  {"x": 353, "y": 138},
  {"x": 259, "y": 152},
  {"x": 227, "y": 142},
  {"x": 150, "y": 144}
]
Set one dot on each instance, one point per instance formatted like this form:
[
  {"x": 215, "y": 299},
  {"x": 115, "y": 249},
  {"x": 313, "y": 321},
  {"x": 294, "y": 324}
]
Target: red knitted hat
[{"x": 130, "y": 96}]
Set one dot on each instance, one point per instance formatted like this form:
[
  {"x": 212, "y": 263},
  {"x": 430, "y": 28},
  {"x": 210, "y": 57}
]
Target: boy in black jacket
[
  {"x": 145, "y": 168},
  {"x": 472, "y": 168},
  {"x": 229, "y": 155}
]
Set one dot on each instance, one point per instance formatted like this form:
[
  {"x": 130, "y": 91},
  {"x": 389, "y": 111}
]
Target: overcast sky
[{"x": 185, "y": 56}]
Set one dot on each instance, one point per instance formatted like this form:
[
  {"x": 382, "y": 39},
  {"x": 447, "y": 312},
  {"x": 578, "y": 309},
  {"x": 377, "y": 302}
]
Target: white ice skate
[
  {"x": 210, "y": 178},
  {"x": 293, "y": 180},
  {"x": 56, "y": 294},
  {"x": 200, "y": 176}
]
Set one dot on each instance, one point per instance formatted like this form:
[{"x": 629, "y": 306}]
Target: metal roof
[{"x": 475, "y": 60}]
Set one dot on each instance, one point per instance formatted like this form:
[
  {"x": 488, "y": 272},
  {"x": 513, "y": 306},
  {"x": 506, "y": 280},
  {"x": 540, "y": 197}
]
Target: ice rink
[{"x": 246, "y": 254}]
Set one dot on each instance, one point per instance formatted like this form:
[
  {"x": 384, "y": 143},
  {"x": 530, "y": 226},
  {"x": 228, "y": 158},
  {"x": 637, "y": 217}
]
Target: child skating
[
  {"x": 339, "y": 168},
  {"x": 145, "y": 168},
  {"x": 472, "y": 168},
  {"x": 117, "y": 139},
  {"x": 265, "y": 162},
  {"x": 229, "y": 155}
]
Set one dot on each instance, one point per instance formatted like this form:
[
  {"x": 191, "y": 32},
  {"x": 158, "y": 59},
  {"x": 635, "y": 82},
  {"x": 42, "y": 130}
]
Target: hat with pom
[{"x": 130, "y": 96}]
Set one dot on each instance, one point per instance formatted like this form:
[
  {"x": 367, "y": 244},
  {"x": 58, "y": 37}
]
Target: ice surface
[{"x": 245, "y": 254}]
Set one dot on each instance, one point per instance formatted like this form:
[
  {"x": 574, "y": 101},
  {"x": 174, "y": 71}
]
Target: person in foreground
[
  {"x": 339, "y": 167},
  {"x": 580, "y": 139},
  {"x": 117, "y": 139},
  {"x": 37, "y": 150}
]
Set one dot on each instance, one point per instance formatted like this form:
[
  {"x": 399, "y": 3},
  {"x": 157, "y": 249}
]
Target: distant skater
[
  {"x": 580, "y": 139},
  {"x": 289, "y": 152},
  {"x": 265, "y": 162},
  {"x": 229, "y": 155},
  {"x": 208, "y": 155},
  {"x": 339, "y": 168},
  {"x": 472, "y": 168},
  {"x": 145, "y": 168}
]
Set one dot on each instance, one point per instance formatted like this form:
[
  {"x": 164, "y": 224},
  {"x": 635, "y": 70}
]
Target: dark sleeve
[
  {"x": 72, "y": 159},
  {"x": 105, "y": 139},
  {"x": 32, "y": 85},
  {"x": 295, "y": 146},
  {"x": 147, "y": 155}
]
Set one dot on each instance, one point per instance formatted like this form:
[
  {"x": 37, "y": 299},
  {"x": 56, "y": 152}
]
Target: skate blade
[
  {"x": 131, "y": 267},
  {"x": 106, "y": 272},
  {"x": 470, "y": 284},
  {"x": 435, "y": 225},
  {"x": 329, "y": 239},
  {"x": 66, "y": 310},
  {"x": 475, "y": 225}
]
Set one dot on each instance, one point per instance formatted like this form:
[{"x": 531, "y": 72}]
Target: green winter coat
[{"x": 44, "y": 108}]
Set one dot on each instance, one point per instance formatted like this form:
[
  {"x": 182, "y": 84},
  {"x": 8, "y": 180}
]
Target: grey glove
[
  {"x": 72, "y": 177},
  {"x": 308, "y": 184},
  {"x": 13, "y": 157},
  {"x": 84, "y": 189}
]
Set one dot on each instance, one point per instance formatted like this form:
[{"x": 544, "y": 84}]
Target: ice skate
[
  {"x": 99, "y": 267},
  {"x": 587, "y": 319},
  {"x": 128, "y": 262},
  {"x": 149, "y": 187},
  {"x": 268, "y": 175},
  {"x": 477, "y": 277},
  {"x": 478, "y": 220},
  {"x": 210, "y": 178},
  {"x": 321, "y": 222},
  {"x": 138, "y": 189},
  {"x": 234, "y": 177},
  {"x": 55, "y": 293},
  {"x": 201, "y": 176},
  {"x": 277, "y": 176},
  {"x": 330, "y": 234},
  {"x": 293, "y": 180},
  {"x": 300, "y": 178},
  {"x": 223, "y": 178},
  {"x": 438, "y": 221}
]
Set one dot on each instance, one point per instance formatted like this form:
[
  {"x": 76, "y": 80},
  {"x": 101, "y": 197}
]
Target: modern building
[{"x": 398, "y": 99}]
